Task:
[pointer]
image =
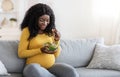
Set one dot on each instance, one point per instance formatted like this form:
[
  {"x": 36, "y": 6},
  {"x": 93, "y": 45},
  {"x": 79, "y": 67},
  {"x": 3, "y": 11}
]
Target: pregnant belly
[{"x": 45, "y": 60}]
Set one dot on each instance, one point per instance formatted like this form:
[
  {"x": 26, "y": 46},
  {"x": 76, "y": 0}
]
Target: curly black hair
[{"x": 31, "y": 19}]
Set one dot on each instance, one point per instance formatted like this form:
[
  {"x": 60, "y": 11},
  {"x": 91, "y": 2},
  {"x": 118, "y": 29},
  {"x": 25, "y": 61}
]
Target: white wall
[{"x": 74, "y": 18}]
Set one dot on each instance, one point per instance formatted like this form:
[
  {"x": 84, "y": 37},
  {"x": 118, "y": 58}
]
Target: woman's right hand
[
  {"x": 56, "y": 34},
  {"x": 46, "y": 50}
]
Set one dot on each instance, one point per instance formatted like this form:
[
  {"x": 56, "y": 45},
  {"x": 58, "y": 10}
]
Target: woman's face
[{"x": 43, "y": 21}]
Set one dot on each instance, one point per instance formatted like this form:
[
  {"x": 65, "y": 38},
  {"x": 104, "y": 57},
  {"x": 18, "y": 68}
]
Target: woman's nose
[{"x": 45, "y": 23}]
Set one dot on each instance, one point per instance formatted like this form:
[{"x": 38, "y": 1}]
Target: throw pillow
[
  {"x": 3, "y": 70},
  {"x": 106, "y": 57}
]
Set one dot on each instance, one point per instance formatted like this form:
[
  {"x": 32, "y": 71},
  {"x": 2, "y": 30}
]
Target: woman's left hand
[{"x": 56, "y": 34}]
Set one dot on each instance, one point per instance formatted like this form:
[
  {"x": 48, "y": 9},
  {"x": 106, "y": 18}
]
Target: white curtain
[
  {"x": 118, "y": 35},
  {"x": 107, "y": 15}
]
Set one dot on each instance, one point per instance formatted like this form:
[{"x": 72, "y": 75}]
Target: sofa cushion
[
  {"x": 106, "y": 57},
  {"x": 9, "y": 56},
  {"x": 77, "y": 52}
]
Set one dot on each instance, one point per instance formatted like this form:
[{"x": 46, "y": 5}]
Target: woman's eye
[{"x": 41, "y": 20}]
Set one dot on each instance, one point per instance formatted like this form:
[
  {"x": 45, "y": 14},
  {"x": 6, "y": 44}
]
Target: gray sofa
[{"x": 77, "y": 53}]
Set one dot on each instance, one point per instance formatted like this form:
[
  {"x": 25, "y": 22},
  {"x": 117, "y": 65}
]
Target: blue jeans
[{"x": 57, "y": 70}]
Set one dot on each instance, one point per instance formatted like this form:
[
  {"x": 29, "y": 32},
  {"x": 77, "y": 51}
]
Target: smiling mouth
[{"x": 43, "y": 27}]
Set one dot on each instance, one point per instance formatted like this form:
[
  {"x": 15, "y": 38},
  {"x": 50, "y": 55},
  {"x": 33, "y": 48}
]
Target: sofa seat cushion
[
  {"x": 85, "y": 72},
  {"x": 77, "y": 52},
  {"x": 13, "y": 75}
]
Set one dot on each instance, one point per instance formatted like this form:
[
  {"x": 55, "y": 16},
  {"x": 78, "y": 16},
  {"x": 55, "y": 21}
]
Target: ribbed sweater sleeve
[{"x": 23, "y": 51}]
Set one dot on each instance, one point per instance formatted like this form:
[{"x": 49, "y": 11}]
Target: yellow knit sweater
[{"x": 33, "y": 52}]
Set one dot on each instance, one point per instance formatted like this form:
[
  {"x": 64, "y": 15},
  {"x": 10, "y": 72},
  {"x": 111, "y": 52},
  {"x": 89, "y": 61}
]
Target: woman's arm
[
  {"x": 23, "y": 51},
  {"x": 56, "y": 36}
]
